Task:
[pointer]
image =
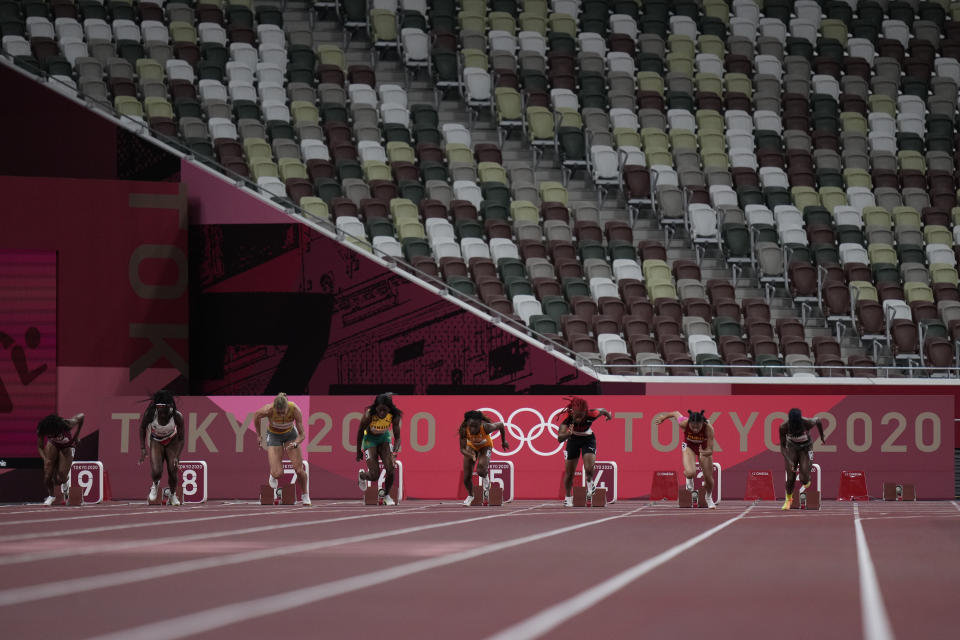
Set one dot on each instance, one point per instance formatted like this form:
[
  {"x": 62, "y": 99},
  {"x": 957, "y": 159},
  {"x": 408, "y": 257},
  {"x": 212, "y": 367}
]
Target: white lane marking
[
  {"x": 112, "y": 547},
  {"x": 230, "y": 614},
  {"x": 552, "y": 617},
  {"x": 137, "y": 525},
  {"x": 84, "y": 584},
  {"x": 876, "y": 624},
  {"x": 46, "y": 520},
  {"x": 949, "y": 516},
  {"x": 955, "y": 505}
]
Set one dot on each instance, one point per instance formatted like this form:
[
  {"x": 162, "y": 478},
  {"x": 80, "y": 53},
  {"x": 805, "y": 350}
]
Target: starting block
[
  {"x": 162, "y": 496},
  {"x": 691, "y": 499},
  {"x": 288, "y": 495},
  {"x": 664, "y": 486},
  {"x": 598, "y": 499},
  {"x": 809, "y": 500},
  {"x": 371, "y": 496},
  {"x": 853, "y": 486},
  {"x": 760, "y": 486},
  {"x": 494, "y": 499},
  {"x": 75, "y": 499},
  {"x": 898, "y": 491}
]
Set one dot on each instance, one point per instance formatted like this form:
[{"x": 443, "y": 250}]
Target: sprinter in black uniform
[
  {"x": 796, "y": 445},
  {"x": 581, "y": 441}
]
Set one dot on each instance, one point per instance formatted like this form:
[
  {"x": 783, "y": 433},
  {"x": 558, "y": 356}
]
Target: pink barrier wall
[
  {"x": 891, "y": 438},
  {"x": 118, "y": 317},
  {"x": 28, "y": 347}
]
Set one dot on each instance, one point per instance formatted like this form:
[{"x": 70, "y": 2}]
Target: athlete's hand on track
[{"x": 505, "y": 446}]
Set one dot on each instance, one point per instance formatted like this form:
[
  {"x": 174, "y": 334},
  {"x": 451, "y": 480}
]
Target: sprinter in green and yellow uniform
[{"x": 379, "y": 422}]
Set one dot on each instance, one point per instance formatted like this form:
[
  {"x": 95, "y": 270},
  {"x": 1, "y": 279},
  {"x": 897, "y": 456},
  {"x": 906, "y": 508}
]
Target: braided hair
[
  {"x": 795, "y": 421},
  {"x": 51, "y": 426},
  {"x": 575, "y": 403},
  {"x": 475, "y": 415},
  {"x": 163, "y": 397},
  {"x": 697, "y": 416},
  {"x": 385, "y": 399}
]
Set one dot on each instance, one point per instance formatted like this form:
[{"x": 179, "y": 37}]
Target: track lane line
[
  {"x": 138, "y": 525},
  {"x": 876, "y": 623},
  {"x": 218, "y": 617},
  {"x": 112, "y": 547},
  {"x": 46, "y": 590},
  {"x": 46, "y": 520},
  {"x": 552, "y": 617}
]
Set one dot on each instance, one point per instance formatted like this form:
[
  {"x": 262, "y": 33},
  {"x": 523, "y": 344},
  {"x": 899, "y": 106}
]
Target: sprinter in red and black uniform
[
  {"x": 576, "y": 430},
  {"x": 56, "y": 441},
  {"x": 698, "y": 438}
]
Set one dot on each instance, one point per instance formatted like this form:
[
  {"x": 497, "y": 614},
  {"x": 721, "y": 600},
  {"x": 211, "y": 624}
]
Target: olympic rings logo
[{"x": 519, "y": 438}]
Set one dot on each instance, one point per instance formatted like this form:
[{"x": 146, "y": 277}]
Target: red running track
[{"x": 439, "y": 570}]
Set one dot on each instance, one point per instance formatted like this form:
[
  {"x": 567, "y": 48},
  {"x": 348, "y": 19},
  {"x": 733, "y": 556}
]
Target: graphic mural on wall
[
  {"x": 279, "y": 306},
  {"x": 891, "y": 438},
  {"x": 111, "y": 306}
]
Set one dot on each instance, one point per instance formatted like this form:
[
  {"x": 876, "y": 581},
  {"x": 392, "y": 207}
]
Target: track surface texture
[{"x": 338, "y": 569}]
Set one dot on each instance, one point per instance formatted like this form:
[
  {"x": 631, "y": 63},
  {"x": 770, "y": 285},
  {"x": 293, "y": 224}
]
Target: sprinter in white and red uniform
[
  {"x": 56, "y": 440},
  {"x": 164, "y": 424},
  {"x": 698, "y": 438},
  {"x": 577, "y": 430}
]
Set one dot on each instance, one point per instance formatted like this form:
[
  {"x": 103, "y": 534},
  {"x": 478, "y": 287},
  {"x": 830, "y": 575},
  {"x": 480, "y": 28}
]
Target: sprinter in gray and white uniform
[{"x": 284, "y": 434}]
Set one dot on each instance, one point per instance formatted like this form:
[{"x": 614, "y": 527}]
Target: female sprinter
[
  {"x": 476, "y": 445},
  {"x": 56, "y": 443},
  {"x": 283, "y": 434},
  {"x": 165, "y": 425},
  {"x": 796, "y": 447},
  {"x": 698, "y": 438},
  {"x": 373, "y": 443},
  {"x": 576, "y": 430}
]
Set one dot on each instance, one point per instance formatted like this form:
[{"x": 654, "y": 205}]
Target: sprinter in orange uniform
[{"x": 476, "y": 445}]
